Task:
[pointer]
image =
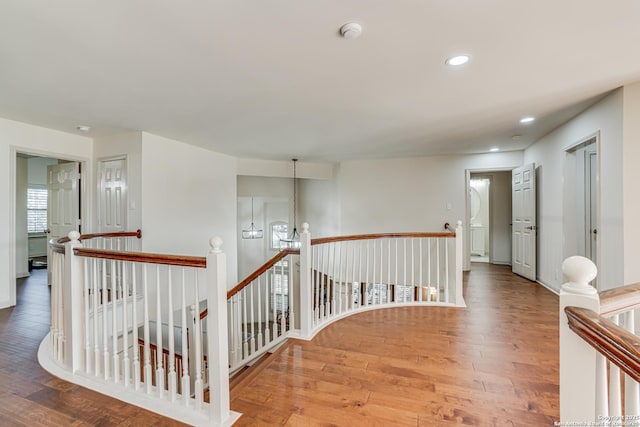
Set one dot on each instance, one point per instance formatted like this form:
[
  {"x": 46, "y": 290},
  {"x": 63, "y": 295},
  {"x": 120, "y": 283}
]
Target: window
[
  {"x": 279, "y": 231},
  {"x": 280, "y": 286},
  {"x": 36, "y": 210}
]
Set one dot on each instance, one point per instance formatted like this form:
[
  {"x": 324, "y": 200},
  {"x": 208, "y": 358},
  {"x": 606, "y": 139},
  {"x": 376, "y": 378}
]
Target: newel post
[
  {"x": 306, "y": 305},
  {"x": 218, "y": 355},
  {"x": 73, "y": 304},
  {"x": 577, "y": 358},
  {"x": 459, "y": 263}
]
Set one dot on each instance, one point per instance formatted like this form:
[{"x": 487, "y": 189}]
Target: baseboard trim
[{"x": 549, "y": 288}]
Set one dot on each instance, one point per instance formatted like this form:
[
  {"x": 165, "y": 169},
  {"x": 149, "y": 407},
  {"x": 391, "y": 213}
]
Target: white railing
[
  {"x": 158, "y": 331},
  {"x": 354, "y": 273},
  {"x": 261, "y": 309},
  {"x": 599, "y": 350},
  {"x": 127, "y": 324}
]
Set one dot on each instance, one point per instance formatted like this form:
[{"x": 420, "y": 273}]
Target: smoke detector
[{"x": 351, "y": 30}]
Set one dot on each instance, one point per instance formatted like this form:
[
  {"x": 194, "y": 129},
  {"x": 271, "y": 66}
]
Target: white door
[
  {"x": 63, "y": 206},
  {"x": 112, "y": 200},
  {"x": 523, "y": 187}
]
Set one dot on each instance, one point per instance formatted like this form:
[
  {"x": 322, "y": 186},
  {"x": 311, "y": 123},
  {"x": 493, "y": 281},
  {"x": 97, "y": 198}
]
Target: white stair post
[
  {"x": 459, "y": 263},
  {"x": 218, "y": 356},
  {"x": 73, "y": 304},
  {"x": 577, "y": 358},
  {"x": 306, "y": 304}
]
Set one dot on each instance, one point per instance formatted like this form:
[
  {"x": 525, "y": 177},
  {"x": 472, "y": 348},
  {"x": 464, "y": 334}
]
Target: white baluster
[
  {"x": 631, "y": 390},
  {"x": 413, "y": 271},
  {"x": 267, "y": 298},
  {"x": 602, "y": 392},
  {"x": 259, "y": 338},
  {"x": 244, "y": 330},
  {"x": 446, "y": 271},
  {"x": 252, "y": 346},
  {"x": 134, "y": 342},
  {"x": 96, "y": 342},
  {"x": 105, "y": 322},
  {"x": 438, "y": 268},
  {"x": 125, "y": 328},
  {"x": 186, "y": 379},
  {"x": 159, "y": 347},
  {"x": 114, "y": 324},
  {"x": 615, "y": 388},
  {"x": 147, "y": 334},
  {"x": 429, "y": 280},
  {"x": 87, "y": 315},
  {"x": 171, "y": 375},
  {"x": 420, "y": 282}
]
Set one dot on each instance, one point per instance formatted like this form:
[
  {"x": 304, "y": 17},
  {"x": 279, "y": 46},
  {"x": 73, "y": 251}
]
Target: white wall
[
  {"x": 129, "y": 146},
  {"x": 22, "y": 137},
  {"x": 549, "y": 155},
  {"x": 22, "y": 241},
  {"x": 319, "y": 206},
  {"x": 417, "y": 194},
  {"x": 188, "y": 196}
]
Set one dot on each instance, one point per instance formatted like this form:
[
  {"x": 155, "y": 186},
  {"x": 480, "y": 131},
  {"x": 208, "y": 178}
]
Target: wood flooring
[
  {"x": 30, "y": 396},
  {"x": 493, "y": 363}
]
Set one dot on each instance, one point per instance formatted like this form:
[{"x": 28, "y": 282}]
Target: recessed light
[
  {"x": 83, "y": 128},
  {"x": 526, "y": 120},
  {"x": 494, "y": 149},
  {"x": 516, "y": 137},
  {"x": 457, "y": 60}
]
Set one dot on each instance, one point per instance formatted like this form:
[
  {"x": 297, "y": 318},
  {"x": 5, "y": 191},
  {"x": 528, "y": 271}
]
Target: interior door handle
[{"x": 531, "y": 227}]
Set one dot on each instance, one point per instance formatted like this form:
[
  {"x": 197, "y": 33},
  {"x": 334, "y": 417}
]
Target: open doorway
[
  {"x": 47, "y": 205},
  {"x": 489, "y": 217},
  {"x": 581, "y": 199}
]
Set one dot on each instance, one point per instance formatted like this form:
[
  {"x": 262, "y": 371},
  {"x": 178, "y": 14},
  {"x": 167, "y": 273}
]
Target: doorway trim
[
  {"x": 86, "y": 198},
  {"x": 467, "y": 210},
  {"x": 569, "y": 185}
]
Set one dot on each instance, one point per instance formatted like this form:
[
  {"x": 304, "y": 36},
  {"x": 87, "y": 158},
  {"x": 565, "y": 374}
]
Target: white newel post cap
[
  {"x": 216, "y": 245},
  {"x": 305, "y": 227},
  {"x": 459, "y": 224},
  {"x": 579, "y": 271},
  {"x": 74, "y": 236}
]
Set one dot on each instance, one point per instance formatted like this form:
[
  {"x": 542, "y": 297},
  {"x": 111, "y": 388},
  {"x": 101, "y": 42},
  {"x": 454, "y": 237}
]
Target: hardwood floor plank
[
  {"x": 30, "y": 396},
  {"x": 494, "y": 363}
]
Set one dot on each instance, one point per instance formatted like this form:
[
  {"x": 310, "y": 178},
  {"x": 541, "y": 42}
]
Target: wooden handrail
[
  {"x": 324, "y": 240},
  {"x": 267, "y": 265},
  {"x": 57, "y": 245},
  {"x": 619, "y": 300},
  {"x": 618, "y": 345},
  {"x": 253, "y": 276},
  {"x": 177, "y": 260}
]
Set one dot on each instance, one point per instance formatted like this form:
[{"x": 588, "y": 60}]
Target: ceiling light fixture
[
  {"x": 494, "y": 149},
  {"x": 516, "y": 137},
  {"x": 351, "y": 30},
  {"x": 294, "y": 240},
  {"x": 526, "y": 120},
  {"x": 252, "y": 232},
  {"x": 83, "y": 128},
  {"x": 458, "y": 60}
]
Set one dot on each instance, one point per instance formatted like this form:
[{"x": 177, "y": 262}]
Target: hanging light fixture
[
  {"x": 293, "y": 241},
  {"x": 252, "y": 232}
]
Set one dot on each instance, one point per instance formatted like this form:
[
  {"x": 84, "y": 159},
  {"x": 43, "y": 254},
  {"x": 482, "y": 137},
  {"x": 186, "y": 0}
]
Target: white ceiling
[{"x": 273, "y": 79}]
